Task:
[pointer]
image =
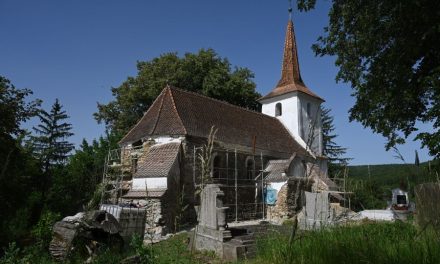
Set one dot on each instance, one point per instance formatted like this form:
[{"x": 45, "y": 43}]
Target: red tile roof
[
  {"x": 178, "y": 112},
  {"x": 159, "y": 161},
  {"x": 276, "y": 168},
  {"x": 291, "y": 80},
  {"x": 152, "y": 193}
]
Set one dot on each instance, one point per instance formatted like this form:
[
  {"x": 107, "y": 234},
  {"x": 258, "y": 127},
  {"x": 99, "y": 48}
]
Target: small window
[
  {"x": 308, "y": 109},
  {"x": 278, "y": 110},
  {"x": 250, "y": 168}
]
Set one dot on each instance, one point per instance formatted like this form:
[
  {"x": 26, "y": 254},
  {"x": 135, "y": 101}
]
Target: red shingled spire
[
  {"x": 291, "y": 80},
  {"x": 290, "y": 73}
]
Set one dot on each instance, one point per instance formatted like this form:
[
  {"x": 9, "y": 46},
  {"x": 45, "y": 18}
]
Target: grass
[
  {"x": 364, "y": 243},
  {"x": 367, "y": 243}
]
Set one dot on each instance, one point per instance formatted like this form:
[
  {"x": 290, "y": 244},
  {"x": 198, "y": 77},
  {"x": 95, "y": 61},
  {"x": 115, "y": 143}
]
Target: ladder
[{"x": 112, "y": 177}]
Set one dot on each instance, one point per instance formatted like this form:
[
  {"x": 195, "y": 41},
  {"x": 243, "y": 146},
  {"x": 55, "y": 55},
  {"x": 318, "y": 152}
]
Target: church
[{"x": 253, "y": 152}]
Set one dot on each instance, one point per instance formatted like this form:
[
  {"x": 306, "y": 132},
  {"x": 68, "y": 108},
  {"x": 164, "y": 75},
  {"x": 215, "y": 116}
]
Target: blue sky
[{"x": 77, "y": 50}]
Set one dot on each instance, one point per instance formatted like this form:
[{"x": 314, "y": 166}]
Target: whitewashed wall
[
  {"x": 295, "y": 118},
  {"x": 152, "y": 183},
  {"x": 289, "y": 117},
  {"x": 314, "y": 118}
]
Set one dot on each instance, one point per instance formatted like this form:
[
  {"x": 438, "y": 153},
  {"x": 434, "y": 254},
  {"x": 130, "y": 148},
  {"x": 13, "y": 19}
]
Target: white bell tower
[{"x": 293, "y": 103}]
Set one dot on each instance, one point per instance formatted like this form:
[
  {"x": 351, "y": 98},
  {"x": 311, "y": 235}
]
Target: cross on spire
[{"x": 290, "y": 9}]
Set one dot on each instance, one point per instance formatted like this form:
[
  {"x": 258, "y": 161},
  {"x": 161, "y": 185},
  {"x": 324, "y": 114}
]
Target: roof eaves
[{"x": 272, "y": 95}]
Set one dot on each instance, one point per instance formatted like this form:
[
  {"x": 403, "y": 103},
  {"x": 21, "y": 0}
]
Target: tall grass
[{"x": 367, "y": 243}]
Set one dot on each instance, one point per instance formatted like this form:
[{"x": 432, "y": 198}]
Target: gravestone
[{"x": 212, "y": 233}]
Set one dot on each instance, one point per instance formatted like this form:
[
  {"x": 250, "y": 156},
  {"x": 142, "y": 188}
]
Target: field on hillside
[
  {"x": 392, "y": 174},
  {"x": 372, "y": 184}
]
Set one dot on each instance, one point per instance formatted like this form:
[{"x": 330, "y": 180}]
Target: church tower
[{"x": 292, "y": 102}]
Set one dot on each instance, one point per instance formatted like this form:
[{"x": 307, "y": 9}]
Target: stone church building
[{"x": 252, "y": 152}]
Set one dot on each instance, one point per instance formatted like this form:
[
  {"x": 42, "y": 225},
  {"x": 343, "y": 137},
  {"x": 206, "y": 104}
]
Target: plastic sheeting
[{"x": 271, "y": 196}]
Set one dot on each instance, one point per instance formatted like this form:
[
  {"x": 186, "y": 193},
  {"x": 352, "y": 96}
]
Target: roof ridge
[
  {"x": 140, "y": 119},
  {"x": 221, "y": 101},
  {"x": 158, "y": 114},
  {"x": 175, "y": 108}
]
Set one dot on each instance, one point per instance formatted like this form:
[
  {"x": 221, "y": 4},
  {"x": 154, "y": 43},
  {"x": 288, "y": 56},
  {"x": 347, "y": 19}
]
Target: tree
[
  {"x": 13, "y": 108},
  {"x": 78, "y": 180},
  {"x": 389, "y": 52},
  {"x": 16, "y": 166},
  {"x": 331, "y": 150},
  {"x": 50, "y": 145},
  {"x": 204, "y": 72}
]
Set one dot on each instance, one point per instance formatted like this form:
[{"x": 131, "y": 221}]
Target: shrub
[
  {"x": 145, "y": 253},
  {"x": 42, "y": 231}
]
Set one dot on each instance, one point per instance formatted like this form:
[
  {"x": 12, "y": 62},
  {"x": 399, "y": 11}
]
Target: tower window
[
  {"x": 308, "y": 109},
  {"x": 278, "y": 110}
]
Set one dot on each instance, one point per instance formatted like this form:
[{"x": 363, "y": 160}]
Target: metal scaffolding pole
[
  {"x": 227, "y": 167},
  {"x": 262, "y": 182},
  {"x": 194, "y": 168},
  {"x": 236, "y": 189}
]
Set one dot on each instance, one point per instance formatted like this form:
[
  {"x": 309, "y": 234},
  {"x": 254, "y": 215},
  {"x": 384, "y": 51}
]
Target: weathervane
[{"x": 290, "y": 9}]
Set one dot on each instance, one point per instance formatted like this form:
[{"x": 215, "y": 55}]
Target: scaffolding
[
  {"x": 341, "y": 188},
  {"x": 244, "y": 190},
  {"x": 119, "y": 166},
  {"x": 240, "y": 173}
]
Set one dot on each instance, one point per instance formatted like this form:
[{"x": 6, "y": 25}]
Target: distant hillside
[{"x": 391, "y": 174}]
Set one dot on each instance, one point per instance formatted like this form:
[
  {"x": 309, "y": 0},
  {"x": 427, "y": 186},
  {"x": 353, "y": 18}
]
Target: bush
[
  {"x": 32, "y": 254},
  {"x": 42, "y": 231},
  {"x": 12, "y": 253},
  {"x": 145, "y": 253}
]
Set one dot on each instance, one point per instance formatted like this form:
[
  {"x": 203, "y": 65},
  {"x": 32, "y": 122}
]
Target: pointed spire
[
  {"x": 290, "y": 73},
  {"x": 291, "y": 80}
]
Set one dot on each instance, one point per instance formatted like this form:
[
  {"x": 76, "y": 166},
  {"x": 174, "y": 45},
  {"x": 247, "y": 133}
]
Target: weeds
[{"x": 367, "y": 243}]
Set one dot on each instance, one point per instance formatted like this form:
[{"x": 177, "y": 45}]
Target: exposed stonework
[{"x": 290, "y": 199}]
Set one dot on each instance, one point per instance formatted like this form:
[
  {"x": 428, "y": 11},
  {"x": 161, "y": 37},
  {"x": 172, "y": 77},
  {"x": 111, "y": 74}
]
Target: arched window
[
  {"x": 278, "y": 110},
  {"x": 216, "y": 165},
  {"x": 308, "y": 109},
  {"x": 250, "y": 168}
]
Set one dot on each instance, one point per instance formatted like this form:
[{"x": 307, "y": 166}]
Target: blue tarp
[{"x": 270, "y": 196}]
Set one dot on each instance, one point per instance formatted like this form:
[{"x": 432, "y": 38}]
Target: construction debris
[{"x": 86, "y": 233}]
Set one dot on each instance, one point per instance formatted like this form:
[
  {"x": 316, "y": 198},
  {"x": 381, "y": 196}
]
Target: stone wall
[{"x": 290, "y": 199}]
